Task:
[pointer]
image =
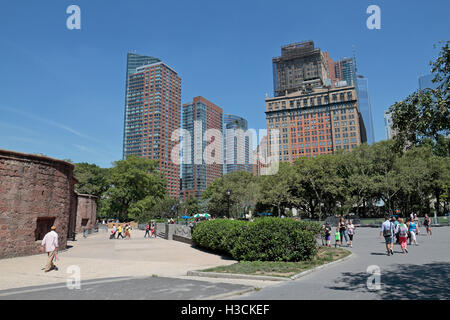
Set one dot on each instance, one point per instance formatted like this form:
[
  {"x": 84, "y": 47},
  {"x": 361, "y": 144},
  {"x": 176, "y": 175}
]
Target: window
[{"x": 43, "y": 226}]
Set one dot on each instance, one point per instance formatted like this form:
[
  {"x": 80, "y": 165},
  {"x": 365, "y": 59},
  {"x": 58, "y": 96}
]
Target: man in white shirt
[
  {"x": 50, "y": 245},
  {"x": 388, "y": 232}
]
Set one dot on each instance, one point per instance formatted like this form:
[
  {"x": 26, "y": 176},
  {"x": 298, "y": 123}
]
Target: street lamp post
[{"x": 228, "y": 194}]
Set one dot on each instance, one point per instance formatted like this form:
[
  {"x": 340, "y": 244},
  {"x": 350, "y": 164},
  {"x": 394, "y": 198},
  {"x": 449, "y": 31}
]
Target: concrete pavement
[{"x": 424, "y": 273}]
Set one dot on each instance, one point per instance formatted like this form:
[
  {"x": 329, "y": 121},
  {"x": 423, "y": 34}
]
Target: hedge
[
  {"x": 218, "y": 234},
  {"x": 266, "y": 239}
]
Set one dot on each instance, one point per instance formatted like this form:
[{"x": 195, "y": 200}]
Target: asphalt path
[{"x": 423, "y": 273}]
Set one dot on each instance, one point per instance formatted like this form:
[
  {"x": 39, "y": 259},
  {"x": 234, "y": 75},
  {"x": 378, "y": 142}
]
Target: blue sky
[{"x": 62, "y": 91}]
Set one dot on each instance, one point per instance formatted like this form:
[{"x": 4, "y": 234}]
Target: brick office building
[
  {"x": 319, "y": 121},
  {"x": 36, "y": 192}
]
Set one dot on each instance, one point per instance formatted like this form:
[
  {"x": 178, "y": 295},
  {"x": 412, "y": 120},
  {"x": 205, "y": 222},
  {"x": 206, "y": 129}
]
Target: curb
[
  {"x": 304, "y": 273},
  {"x": 233, "y": 276},
  {"x": 228, "y": 294},
  {"x": 266, "y": 278}
]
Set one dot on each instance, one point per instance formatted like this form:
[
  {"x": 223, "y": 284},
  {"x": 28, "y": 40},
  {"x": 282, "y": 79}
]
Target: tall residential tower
[
  {"x": 152, "y": 114},
  {"x": 199, "y": 116}
]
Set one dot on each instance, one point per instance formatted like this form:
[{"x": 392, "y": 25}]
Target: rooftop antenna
[{"x": 354, "y": 56}]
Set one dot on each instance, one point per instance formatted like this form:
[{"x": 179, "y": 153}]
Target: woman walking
[
  {"x": 402, "y": 231},
  {"x": 351, "y": 232},
  {"x": 342, "y": 227},
  {"x": 427, "y": 224},
  {"x": 412, "y": 231}
]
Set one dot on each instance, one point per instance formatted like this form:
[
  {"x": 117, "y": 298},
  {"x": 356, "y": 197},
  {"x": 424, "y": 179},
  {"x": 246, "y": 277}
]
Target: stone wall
[
  {"x": 35, "y": 193},
  {"x": 86, "y": 212}
]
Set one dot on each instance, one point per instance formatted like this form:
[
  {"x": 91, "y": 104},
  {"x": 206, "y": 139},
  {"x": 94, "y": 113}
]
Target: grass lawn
[{"x": 282, "y": 269}]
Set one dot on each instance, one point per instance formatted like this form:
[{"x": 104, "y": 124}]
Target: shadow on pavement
[{"x": 409, "y": 281}]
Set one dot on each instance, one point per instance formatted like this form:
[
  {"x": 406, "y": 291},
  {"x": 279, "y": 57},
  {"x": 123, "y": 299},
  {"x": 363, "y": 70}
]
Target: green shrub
[
  {"x": 218, "y": 234},
  {"x": 275, "y": 239}
]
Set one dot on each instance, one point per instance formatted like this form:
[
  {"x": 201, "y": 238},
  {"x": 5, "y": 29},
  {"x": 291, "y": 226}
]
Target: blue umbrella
[{"x": 185, "y": 217}]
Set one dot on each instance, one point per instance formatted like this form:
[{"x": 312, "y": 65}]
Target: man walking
[
  {"x": 50, "y": 245},
  {"x": 387, "y": 230}
]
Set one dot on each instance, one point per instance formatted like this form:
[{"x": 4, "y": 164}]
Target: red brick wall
[
  {"x": 33, "y": 187},
  {"x": 86, "y": 209}
]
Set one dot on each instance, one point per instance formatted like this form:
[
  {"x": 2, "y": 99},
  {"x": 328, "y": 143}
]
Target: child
[
  {"x": 327, "y": 235},
  {"x": 337, "y": 234}
]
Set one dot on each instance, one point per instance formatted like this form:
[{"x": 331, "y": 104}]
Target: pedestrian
[
  {"x": 412, "y": 231},
  {"x": 127, "y": 231},
  {"x": 50, "y": 245},
  {"x": 147, "y": 230},
  {"x": 351, "y": 232},
  {"x": 427, "y": 224},
  {"x": 417, "y": 222},
  {"x": 337, "y": 236},
  {"x": 153, "y": 230},
  {"x": 343, "y": 231},
  {"x": 387, "y": 231},
  {"x": 327, "y": 229},
  {"x": 119, "y": 231},
  {"x": 395, "y": 222},
  {"x": 113, "y": 232},
  {"x": 402, "y": 231}
]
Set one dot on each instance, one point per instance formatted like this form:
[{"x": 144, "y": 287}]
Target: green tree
[
  {"x": 135, "y": 185},
  {"x": 425, "y": 113},
  {"x": 91, "y": 179}
]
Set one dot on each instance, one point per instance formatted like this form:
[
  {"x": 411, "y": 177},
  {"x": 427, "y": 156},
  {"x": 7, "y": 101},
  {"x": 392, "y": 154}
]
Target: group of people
[
  {"x": 150, "y": 230},
  {"x": 119, "y": 230},
  {"x": 344, "y": 230},
  {"x": 400, "y": 231}
]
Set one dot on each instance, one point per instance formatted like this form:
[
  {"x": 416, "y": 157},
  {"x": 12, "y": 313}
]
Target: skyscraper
[
  {"x": 199, "y": 116},
  {"x": 365, "y": 107},
  {"x": 390, "y": 132},
  {"x": 152, "y": 114},
  {"x": 345, "y": 70},
  {"x": 299, "y": 66},
  {"x": 237, "y": 145},
  {"x": 426, "y": 82}
]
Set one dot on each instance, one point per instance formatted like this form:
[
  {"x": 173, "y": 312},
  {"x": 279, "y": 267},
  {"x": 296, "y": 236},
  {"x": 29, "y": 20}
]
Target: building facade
[
  {"x": 300, "y": 65},
  {"x": 237, "y": 145},
  {"x": 390, "y": 132},
  {"x": 365, "y": 108},
  {"x": 199, "y": 116},
  {"x": 311, "y": 123},
  {"x": 345, "y": 70},
  {"x": 152, "y": 114}
]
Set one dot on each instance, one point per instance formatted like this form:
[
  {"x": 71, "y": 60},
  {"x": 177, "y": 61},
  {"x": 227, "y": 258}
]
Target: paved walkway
[
  {"x": 105, "y": 262},
  {"x": 424, "y": 273}
]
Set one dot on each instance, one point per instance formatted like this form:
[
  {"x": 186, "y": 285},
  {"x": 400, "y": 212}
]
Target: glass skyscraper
[
  {"x": 152, "y": 114},
  {"x": 426, "y": 82},
  {"x": 237, "y": 144},
  {"x": 199, "y": 116},
  {"x": 365, "y": 108}
]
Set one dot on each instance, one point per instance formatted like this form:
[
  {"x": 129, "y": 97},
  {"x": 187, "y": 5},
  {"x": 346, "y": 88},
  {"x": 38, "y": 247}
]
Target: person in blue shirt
[
  {"x": 387, "y": 231},
  {"x": 412, "y": 231}
]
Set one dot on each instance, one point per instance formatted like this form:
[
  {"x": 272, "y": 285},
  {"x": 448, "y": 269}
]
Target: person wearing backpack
[
  {"x": 387, "y": 231},
  {"x": 402, "y": 231}
]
